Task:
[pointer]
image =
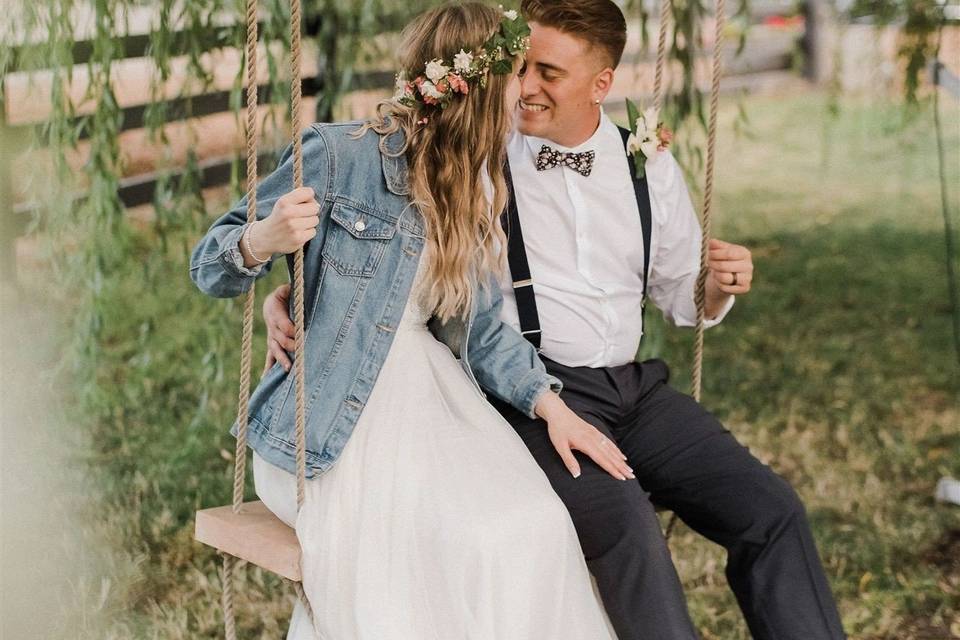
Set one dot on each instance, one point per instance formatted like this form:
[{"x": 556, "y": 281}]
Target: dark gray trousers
[{"x": 689, "y": 463}]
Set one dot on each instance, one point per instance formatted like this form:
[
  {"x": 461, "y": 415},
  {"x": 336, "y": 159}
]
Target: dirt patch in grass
[{"x": 945, "y": 555}]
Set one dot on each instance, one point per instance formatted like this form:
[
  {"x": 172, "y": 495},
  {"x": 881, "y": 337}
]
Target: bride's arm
[
  {"x": 220, "y": 264},
  {"x": 503, "y": 361},
  {"x": 507, "y": 365},
  {"x": 569, "y": 432}
]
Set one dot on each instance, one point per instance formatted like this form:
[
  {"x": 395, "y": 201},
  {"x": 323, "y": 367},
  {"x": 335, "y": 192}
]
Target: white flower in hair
[
  {"x": 430, "y": 90},
  {"x": 462, "y": 61},
  {"x": 443, "y": 80},
  {"x": 436, "y": 70},
  {"x": 400, "y": 85}
]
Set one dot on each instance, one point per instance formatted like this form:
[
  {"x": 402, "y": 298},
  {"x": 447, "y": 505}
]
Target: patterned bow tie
[{"x": 549, "y": 158}]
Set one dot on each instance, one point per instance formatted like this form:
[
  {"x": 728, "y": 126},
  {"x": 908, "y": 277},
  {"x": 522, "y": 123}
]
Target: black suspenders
[
  {"x": 517, "y": 254},
  {"x": 646, "y": 217},
  {"x": 519, "y": 267}
]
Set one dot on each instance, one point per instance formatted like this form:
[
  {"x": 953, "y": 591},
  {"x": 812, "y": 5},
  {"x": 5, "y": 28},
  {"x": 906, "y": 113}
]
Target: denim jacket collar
[
  {"x": 397, "y": 178},
  {"x": 395, "y": 164}
]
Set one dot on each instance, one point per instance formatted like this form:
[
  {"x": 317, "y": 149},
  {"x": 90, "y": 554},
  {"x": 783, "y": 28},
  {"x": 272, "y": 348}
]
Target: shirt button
[{"x": 359, "y": 225}]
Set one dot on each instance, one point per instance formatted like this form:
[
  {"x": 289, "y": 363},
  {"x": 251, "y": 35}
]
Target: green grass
[{"x": 838, "y": 370}]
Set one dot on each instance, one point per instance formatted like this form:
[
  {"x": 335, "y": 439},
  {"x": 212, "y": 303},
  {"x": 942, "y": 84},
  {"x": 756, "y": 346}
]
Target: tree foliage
[{"x": 348, "y": 36}]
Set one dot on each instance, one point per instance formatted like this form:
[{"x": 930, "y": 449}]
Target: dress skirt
[{"x": 435, "y": 523}]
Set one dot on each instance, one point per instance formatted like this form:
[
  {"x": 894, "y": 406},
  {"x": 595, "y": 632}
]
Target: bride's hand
[
  {"x": 281, "y": 333},
  {"x": 568, "y": 431}
]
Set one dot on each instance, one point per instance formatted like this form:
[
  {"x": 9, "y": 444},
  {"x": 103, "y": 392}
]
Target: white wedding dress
[{"x": 435, "y": 523}]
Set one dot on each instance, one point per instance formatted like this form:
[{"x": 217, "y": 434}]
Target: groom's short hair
[{"x": 599, "y": 22}]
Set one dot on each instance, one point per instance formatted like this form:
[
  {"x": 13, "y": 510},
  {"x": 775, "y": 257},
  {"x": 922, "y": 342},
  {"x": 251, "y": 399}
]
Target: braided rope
[
  {"x": 666, "y": 8},
  {"x": 246, "y": 348},
  {"x": 700, "y": 295},
  {"x": 239, "y": 473},
  {"x": 240, "y": 457},
  {"x": 302, "y": 596},
  {"x": 226, "y": 597},
  {"x": 296, "y": 95},
  {"x": 700, "y": 291},
  {"x": 665, "y": 11}
]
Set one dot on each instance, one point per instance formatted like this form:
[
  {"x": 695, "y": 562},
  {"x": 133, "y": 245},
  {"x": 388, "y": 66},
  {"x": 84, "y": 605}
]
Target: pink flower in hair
[
  {"x": 457, "y": 83},
  {"x": 430, "y": 92}
]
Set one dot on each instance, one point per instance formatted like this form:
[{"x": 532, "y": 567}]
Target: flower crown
[{"x": 441, "y": 81}]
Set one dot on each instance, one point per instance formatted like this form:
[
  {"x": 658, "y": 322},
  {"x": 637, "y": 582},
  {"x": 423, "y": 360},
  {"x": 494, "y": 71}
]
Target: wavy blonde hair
[{"x": 449, "y": 155}]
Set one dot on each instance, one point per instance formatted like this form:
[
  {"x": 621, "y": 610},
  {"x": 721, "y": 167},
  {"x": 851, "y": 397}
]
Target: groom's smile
[{"x": 536, "y": 108}]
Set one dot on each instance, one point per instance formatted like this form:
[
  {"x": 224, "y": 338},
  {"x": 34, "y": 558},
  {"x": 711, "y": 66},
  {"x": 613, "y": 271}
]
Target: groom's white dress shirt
[{"x": 585, "y": 248}]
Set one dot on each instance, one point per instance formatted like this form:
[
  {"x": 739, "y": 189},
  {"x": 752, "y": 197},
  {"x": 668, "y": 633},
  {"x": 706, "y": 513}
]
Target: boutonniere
[{"x": 647, "y": 135}]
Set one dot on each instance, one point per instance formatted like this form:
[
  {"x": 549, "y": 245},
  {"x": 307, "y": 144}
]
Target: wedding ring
[{"x": 603, "y": 440}]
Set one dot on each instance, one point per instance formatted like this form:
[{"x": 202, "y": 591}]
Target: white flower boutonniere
[{"x": 647, "y": 135}]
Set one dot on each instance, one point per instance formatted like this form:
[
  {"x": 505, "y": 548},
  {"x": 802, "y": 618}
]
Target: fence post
[{"x": 818, "y": 41}]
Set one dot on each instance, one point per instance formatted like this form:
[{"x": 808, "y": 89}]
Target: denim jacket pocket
[{"x": 356, "y": 240}]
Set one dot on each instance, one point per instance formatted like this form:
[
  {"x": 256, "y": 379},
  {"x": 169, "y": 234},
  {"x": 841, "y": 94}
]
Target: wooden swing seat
[{"x": 255, "y": 535}]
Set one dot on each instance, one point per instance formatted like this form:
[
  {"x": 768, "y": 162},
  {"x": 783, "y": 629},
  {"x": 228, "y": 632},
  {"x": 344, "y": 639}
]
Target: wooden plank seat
[{"x": 255, "y": 535}]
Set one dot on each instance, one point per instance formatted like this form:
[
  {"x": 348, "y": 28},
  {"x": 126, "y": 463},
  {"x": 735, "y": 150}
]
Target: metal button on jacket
[{"x": 359, "y": 225}]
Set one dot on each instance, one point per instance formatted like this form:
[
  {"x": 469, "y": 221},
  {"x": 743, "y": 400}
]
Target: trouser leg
[
  {"x": 694, "y": 466},
  {"x": 615, "y": 522}
]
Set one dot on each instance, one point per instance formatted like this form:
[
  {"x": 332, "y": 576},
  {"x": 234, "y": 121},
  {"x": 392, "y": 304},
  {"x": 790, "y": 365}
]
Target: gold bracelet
[{"x": 246, "y": 239}]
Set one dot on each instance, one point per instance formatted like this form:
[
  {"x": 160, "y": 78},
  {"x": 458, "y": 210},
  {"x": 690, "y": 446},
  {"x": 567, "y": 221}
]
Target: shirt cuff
[
  {"x": 720, "y": 316},
  {"x": 232, "y": 259}
]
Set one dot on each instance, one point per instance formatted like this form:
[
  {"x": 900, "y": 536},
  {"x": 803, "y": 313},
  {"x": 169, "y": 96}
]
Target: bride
[{"x": 425, "y": 517}]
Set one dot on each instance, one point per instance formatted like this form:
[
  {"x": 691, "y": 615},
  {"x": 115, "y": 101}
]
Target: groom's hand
[
  {"x": 730, "y": 267},
  {"x": 281, "y": 333},
  {"x": 730, "y": 272},
  {"x": 568, "y": 431}
]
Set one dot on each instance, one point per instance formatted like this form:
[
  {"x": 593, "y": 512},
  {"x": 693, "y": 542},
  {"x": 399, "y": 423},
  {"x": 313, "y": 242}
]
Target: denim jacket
[{"x": 358, "y": 272}]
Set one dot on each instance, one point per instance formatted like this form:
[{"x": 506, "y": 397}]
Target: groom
[{"x": 588, "y": 242}]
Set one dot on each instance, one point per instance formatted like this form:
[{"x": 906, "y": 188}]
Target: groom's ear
[{"x": 602, "y": 83}]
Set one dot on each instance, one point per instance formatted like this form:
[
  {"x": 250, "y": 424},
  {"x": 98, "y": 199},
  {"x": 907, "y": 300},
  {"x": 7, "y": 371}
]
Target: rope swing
[
  {"x": 239, "y": 474},
  {"x": 248, "y": 531},
  {"x": 700, "y": 290}
]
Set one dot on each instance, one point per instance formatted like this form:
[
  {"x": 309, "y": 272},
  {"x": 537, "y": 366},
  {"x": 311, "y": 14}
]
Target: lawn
[{"x": 838, "y": 370}]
